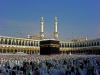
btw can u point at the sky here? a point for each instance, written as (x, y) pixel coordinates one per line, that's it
(77, 18)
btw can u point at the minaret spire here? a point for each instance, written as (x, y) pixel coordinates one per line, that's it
(56, 27)
(42, 28)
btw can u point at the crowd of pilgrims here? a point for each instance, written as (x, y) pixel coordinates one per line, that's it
(50, 65)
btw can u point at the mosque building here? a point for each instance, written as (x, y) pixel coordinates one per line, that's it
(31, 44)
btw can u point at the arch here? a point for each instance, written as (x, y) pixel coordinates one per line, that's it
(36, 43)
(16, 50)
(9, 42)
(4, 50)
(31, 43)
(75, 44)
(28, 51)
(11, 50)
(5, 41)
(92, 44)
(8, 51)
(89, 43)
(84, 44)
(2, 41)
(24, 50)
(65, 45)
(78, 44)
(36, 51)
(13, 42)
(68, 44)
(81, 44)
(98, 43)
(32, 52)
(62, 44)
(23, 43)
(72, 45)
(19, 42)
(0, 50)
(95, 43)
(27, 43)
(16, 42)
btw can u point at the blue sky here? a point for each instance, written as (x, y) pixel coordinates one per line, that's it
(77, 18)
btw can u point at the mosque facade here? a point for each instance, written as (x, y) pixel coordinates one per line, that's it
(31, 45)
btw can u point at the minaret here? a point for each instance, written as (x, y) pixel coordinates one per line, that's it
(42, 28)
(56, 28)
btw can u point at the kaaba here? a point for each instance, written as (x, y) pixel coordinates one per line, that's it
(48, 47)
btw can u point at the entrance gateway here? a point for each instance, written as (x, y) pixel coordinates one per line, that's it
(48, 47)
